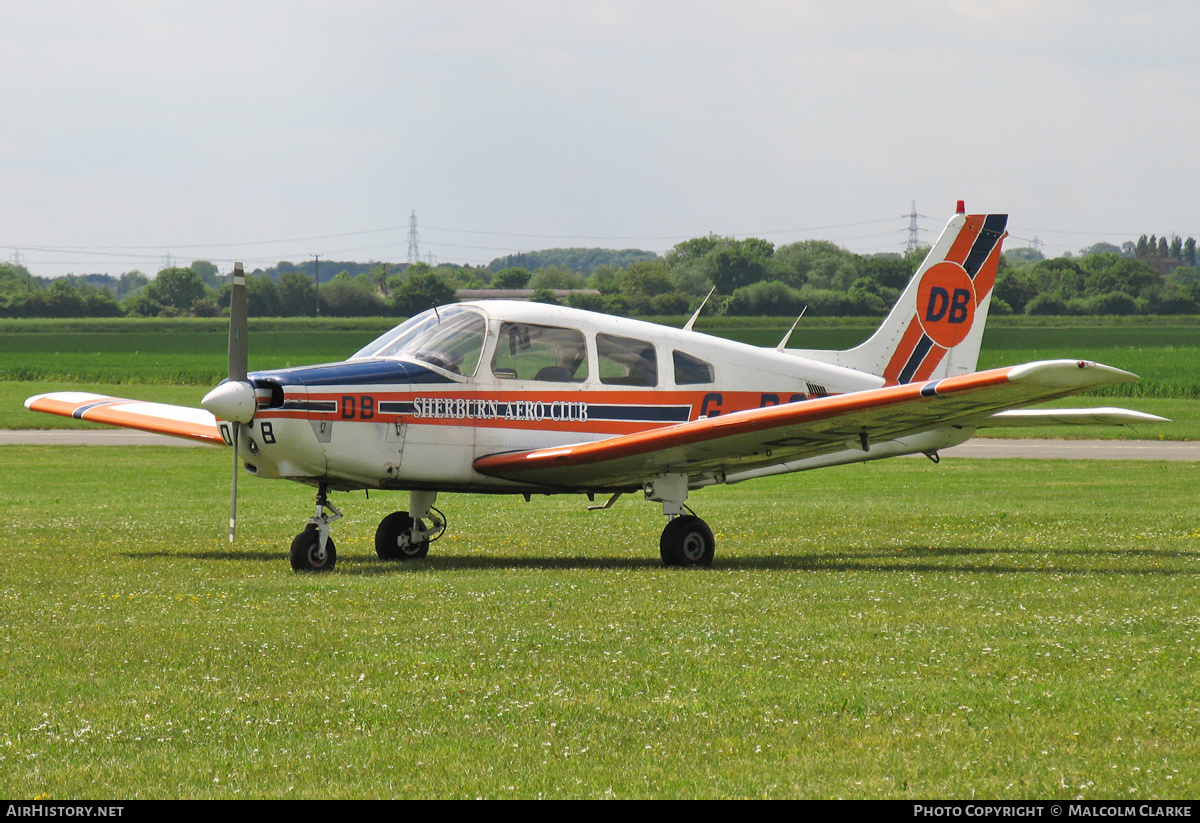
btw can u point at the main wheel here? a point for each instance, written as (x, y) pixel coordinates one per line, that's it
(304, 552)
(687, 541)
(394, 539)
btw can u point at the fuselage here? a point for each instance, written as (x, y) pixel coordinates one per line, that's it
(418, 406)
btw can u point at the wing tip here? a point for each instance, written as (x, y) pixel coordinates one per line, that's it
(1070, 374)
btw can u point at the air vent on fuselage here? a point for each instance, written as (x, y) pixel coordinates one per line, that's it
(816, 390)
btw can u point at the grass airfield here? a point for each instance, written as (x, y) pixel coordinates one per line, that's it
(896, 629)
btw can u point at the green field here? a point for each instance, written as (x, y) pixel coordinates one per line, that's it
(896, 629)
(135, 358)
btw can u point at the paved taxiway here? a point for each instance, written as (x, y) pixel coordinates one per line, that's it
(979, 447)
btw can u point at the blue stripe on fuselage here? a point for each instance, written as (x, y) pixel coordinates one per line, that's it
(358, 372)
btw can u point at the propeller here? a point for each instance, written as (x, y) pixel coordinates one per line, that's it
(234, 399)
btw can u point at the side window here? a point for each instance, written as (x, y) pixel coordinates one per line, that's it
(625, 361)
(547, 353)
(689, 370)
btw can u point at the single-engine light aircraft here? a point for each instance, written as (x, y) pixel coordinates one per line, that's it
(510, 397)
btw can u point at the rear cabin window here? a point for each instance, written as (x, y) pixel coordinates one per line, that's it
(625, 361)
(544, 353)
(690, 370)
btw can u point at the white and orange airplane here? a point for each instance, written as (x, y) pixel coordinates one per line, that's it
(525, 398)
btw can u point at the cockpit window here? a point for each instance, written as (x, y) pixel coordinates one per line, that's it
(525, 351)
(387, 344)
(625, 361)
(452, 340)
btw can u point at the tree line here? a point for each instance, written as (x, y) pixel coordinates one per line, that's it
(750, 276)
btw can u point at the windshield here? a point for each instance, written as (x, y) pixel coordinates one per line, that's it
(452, 341)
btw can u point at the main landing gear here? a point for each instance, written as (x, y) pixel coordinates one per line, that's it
(404, 535)
(687, 540)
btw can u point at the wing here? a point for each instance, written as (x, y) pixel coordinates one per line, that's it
(769, 436)
(161, 418)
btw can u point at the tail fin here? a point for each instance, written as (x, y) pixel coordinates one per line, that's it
(936, 326)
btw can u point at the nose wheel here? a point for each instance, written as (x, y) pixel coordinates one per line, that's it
(307, 555)
(313, 550)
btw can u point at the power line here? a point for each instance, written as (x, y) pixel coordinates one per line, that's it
(657, 237)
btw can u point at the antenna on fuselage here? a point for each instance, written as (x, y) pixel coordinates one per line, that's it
(788, 336)
(437, 314)
(688, 325)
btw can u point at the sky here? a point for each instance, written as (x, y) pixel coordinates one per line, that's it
(137, 133)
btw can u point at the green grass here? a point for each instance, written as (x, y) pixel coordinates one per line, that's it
(897, 629)
(193, 357)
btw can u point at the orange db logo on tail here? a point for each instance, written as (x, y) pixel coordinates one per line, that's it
(946, 304)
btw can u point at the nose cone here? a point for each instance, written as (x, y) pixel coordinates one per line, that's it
(233, 401)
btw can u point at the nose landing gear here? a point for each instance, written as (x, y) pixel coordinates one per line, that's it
(313, 550)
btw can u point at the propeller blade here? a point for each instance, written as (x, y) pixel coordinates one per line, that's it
(238, 350)
(233, 501)
(238, 366)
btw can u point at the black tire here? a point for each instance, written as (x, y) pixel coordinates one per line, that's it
(388, 534)
(687, 541)
(304, 550)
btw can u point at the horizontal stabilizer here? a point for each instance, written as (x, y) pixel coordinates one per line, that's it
(1017, 418)
(160, 418)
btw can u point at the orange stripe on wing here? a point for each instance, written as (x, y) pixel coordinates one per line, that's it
(159, 425)
(115, 411)
(756, 420)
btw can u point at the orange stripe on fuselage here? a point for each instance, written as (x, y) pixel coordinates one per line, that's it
(711, 404)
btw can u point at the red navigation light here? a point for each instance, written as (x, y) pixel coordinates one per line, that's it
(962, 207)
